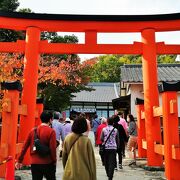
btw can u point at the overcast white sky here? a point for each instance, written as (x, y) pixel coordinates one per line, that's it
(114, 7)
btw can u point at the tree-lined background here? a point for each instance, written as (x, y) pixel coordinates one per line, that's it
(60, 75)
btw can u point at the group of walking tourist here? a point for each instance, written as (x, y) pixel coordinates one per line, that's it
(68, 140)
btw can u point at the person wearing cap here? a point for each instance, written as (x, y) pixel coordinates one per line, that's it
(66, 128)
(78, 155)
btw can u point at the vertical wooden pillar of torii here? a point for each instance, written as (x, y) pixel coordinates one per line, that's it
(141, 127)
(9, 124)
(31, 63)
(170, 130)
(151, 96)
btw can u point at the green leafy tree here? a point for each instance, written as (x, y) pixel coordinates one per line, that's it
(25, 10)
(164, 59)
(8, 5)
(107, 69)
(53, 37)
(56, 97)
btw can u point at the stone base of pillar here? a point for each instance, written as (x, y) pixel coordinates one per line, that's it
(154, 168)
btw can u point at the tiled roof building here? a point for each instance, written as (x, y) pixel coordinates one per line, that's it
(132, 84)
(99, 100)
(166, 72)
(102, 92)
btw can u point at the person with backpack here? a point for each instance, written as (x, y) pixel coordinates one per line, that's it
(42, 164)
(110, 139)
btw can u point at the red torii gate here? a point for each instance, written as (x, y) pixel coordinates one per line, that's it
(32, 47)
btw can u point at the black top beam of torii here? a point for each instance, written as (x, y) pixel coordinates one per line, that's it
(83, 17)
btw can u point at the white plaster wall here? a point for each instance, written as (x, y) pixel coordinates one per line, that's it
(136, 92)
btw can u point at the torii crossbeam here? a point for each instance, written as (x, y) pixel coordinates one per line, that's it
(32, 47)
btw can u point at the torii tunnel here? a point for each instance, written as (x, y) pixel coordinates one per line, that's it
(32, 47)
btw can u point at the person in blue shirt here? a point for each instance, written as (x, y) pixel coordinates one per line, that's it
(58, 127)
(95, 123)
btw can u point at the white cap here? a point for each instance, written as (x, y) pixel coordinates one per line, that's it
(67, 120)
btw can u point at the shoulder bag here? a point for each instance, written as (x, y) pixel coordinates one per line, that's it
(40, 148)
(102, 147)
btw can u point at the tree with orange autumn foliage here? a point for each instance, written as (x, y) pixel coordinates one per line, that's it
(63, 76)
(11, 67)
(60, 73)
(58, 80)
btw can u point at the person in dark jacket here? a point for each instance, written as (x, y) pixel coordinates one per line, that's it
(122, 139)
(41, 166)
(95, 123)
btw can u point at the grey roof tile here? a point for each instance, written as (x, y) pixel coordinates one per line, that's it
(104, 92)
(166, 72)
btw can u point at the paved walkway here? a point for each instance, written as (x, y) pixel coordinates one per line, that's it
(127, 173)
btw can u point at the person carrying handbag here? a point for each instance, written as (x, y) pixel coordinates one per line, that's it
(110, 138)
(78, 155)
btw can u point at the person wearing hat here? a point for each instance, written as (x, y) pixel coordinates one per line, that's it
(78, 155)
(66, 128)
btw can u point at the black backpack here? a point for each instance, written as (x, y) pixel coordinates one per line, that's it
(40, 148)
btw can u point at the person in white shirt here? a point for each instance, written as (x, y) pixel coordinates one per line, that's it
(66, 127)
(58, 127)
